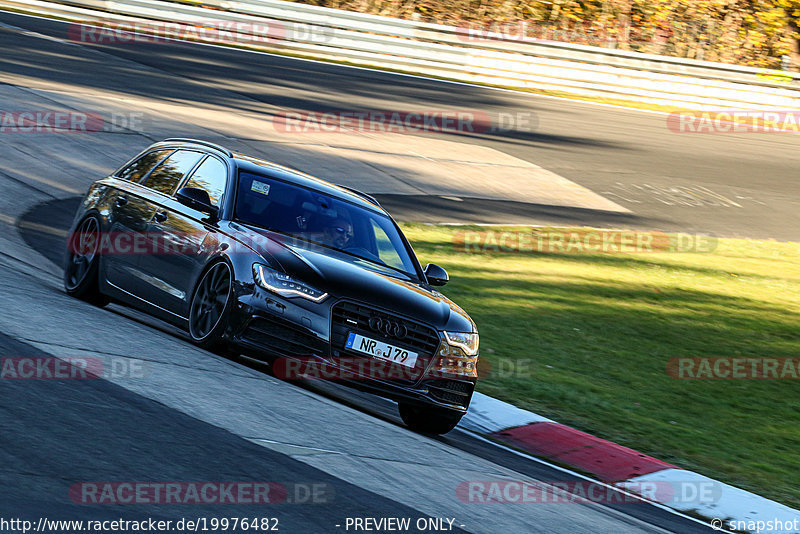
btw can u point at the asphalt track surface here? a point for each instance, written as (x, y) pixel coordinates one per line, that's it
(198, 417)
(630, 157)
(741, 185)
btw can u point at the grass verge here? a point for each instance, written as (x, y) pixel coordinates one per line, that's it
(585, 338)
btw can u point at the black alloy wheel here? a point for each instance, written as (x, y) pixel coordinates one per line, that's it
(81, 265)
(210, 305)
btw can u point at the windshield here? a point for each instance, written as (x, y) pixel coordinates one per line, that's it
(322, 219)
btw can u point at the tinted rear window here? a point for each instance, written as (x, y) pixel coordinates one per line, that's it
(167, 175)
(139, 168)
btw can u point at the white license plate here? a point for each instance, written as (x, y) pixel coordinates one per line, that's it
(381, 350)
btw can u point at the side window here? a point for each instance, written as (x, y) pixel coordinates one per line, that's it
(386, 250)
(167, 175)
(142, 166)
(211, 176)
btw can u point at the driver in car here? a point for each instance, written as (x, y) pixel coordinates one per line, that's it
(338, 234)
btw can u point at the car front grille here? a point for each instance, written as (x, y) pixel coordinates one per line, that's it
(354, 317)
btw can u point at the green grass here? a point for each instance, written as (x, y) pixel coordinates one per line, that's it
(597, 331)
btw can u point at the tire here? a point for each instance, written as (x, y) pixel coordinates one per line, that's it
(209, 308)
(428, 420)
(81, 263)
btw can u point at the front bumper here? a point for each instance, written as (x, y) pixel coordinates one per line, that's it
(301, 335)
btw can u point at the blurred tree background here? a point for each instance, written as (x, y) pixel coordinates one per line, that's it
(745, 32)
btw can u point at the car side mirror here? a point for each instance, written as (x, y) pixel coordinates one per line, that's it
(197, 199)
(436, 275)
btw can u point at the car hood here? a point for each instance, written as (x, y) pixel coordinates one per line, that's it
(337, 274)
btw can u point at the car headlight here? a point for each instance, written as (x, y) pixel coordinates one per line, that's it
(285, 285)
(466, 342)
(458, 355)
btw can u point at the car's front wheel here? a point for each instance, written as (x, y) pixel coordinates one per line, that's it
(210, 306)
(428, 420)
(81, 268)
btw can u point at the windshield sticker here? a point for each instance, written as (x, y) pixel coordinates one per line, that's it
(260, 187)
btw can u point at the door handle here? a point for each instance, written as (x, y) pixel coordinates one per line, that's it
(121, 201)
(160, 217)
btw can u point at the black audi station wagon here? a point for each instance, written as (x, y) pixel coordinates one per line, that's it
(254, 258)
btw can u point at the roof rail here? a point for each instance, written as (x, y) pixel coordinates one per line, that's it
(361, 194)
(200, 142)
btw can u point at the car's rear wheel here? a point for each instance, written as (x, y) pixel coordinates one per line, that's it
(428, 420)
(210, 306)
(81, 265)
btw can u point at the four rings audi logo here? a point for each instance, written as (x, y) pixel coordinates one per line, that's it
(388, 327)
